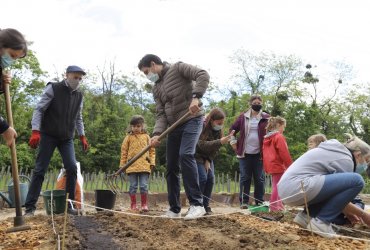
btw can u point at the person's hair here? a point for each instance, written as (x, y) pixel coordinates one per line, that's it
(354, 143)
(13, 39)
(147, 59)
(137, 119)
(254, 97)
(316, 139)
(214, 114)
(274, 122)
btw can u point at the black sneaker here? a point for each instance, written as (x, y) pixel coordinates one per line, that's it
(208, 211)
(243, 206)
(259, 203)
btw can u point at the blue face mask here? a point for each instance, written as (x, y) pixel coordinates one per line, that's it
(360, 168)
(6, 60)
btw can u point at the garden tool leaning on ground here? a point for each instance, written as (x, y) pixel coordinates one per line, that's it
(111, 180)
(18, 219)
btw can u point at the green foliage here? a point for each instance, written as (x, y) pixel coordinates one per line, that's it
(288, 90)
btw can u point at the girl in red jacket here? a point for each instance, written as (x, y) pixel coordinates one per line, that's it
(276, 157)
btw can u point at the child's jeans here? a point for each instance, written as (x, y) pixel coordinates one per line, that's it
(138, 179)
(275, 203)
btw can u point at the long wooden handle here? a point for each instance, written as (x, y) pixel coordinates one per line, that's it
(8, 104)
(146, 149)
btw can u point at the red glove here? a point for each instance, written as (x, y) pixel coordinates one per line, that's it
(83, 140)
(35, 139)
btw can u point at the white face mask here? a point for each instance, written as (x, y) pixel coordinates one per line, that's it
(73, 83)
(152, 76)
(217, 127)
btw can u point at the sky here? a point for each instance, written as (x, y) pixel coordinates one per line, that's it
(90, 33)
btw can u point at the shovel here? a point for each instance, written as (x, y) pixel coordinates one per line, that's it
(18, 219)
(111, 180)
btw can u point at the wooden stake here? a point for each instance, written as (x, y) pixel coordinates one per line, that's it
(305, 202)
(65, 221)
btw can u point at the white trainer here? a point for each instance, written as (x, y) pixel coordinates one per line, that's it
(170, 214)
(195, 212)
(322, 228)
(301, 219)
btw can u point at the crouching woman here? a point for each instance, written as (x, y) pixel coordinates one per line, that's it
(329, 181)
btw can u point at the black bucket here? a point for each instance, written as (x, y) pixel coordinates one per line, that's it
(104, 199)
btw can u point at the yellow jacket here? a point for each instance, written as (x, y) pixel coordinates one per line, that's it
(131, 146)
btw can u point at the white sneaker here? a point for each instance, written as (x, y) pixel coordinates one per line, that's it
(170, 214)
(322, 228)
(195, 212)
(301, 219)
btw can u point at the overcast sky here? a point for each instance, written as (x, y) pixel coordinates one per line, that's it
(201, 32)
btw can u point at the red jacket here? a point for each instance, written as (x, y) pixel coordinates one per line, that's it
(276, 156)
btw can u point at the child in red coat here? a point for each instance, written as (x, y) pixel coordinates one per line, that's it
(276, 157)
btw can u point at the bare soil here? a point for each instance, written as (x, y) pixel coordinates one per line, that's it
(108, 230)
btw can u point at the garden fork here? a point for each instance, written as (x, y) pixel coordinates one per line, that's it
(111, 180)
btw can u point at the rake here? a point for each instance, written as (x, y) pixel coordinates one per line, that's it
(111, 180)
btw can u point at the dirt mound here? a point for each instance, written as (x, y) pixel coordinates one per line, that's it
(106, 230)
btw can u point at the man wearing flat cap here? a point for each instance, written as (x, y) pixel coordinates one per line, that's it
(56, 117)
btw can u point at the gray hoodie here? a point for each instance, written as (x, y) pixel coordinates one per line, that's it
(328, 158)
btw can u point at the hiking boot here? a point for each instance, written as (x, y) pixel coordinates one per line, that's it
(301, 219)
(29, 213)
(195, 212)
(170, 214)
(208, 211)
(322, 228)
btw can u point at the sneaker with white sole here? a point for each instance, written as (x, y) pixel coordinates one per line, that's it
(322, 228)
(195, 212)
(301, 219)
(170, 214)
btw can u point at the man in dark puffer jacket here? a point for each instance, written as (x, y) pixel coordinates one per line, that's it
(177, 89)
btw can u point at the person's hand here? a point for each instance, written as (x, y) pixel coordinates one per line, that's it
(6, 77)
(194, 106)
(35, 139)
(152, 168)
(9, 136)
(85, 145)
(353, 218)
(154, 141)
(365, 217)
(227, 138)
(207, 165)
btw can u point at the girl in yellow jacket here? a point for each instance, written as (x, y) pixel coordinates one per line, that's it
(139, 171)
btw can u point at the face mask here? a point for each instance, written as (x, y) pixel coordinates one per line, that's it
(256, 107)
(217, 127)
(73, 83)
(152, 76)
(360, 168)
(6, 60)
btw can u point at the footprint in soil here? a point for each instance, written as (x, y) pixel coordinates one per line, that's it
(93, 237)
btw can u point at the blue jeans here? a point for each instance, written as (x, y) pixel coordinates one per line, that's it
(181, 144)
(138, 179)
(206, 182)
(251, 165)
(338, 190)
(46, 150)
